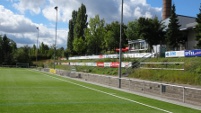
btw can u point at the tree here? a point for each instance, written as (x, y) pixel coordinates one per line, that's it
(33, 53)
(51, 52)
(159, 31)
(1, 49)
(109, 41)
(60, 52)
(22, 55)
(8, 48)
(132, 31)
(151, 30)
(80, 26)
(43, 49)
(198, 29)
(173, 36)
(95, 35)
(79, 45)
(70, 39)
(114, 29)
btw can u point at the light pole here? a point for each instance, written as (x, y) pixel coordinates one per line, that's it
(37, 44)
(120, 49)
(56, 8)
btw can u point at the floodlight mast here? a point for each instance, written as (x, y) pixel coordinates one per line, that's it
(120, 48)
(56, 8)
(37, 44)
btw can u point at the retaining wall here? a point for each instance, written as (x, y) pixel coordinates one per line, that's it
(184, 94)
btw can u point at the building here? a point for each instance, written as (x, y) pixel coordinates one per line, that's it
(137, 45)
(188, 27)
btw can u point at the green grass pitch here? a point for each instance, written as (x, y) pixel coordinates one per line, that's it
(28, 91)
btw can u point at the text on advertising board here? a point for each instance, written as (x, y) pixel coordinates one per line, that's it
(193, 53)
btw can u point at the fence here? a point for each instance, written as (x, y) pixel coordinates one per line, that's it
(183, 94)
(163, 65)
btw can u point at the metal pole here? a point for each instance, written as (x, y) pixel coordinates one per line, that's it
(183, 94)
(56, 8)
(37, 45)
(120, 48)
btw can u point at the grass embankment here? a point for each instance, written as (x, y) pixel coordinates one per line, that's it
(191, 74)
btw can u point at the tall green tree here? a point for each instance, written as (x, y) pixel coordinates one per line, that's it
(51, 52)
(158, 31)
(79, 46)
(60, 52)
(70, 39)
(145, 30)
(33, 50)
(95, 35)
(80, 26)
(173, 35)
(8, 48)
(151, 30)
(198, 29)
(1, 49)
(22, 55)
(132, 31)
(43, 49)
(114, 29)
(109, 41)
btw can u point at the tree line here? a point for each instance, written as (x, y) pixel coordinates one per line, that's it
(97, 37)
(10, 54)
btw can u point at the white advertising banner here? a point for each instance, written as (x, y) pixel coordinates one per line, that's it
(99, 64)
(125, 55)
(174, 54)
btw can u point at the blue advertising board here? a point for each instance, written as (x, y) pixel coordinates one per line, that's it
(192, 53)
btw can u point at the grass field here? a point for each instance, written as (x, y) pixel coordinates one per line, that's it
(28, 91)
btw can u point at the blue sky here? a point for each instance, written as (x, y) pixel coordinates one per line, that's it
(183, 7)
(19, 18)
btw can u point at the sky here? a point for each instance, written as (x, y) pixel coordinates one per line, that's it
(19, 19)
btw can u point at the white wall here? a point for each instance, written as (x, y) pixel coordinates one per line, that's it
(191, 43)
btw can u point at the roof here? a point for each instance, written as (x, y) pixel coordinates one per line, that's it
(185, 22)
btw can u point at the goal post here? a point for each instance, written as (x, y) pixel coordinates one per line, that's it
(22, 65)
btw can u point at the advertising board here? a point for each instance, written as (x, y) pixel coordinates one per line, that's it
(174, 54)
(114, 64)
(193, 53)
(100, 64)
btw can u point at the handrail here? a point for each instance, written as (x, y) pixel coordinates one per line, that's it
(161, 62)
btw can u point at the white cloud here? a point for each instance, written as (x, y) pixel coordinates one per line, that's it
(31, 5)
(23, 29)
(127, 10)
(139, 8)
(65, 8)
(107, 9)
(11, 22)
(137, 12)
(143, 2)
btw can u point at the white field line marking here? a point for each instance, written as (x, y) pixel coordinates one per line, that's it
(123, 98)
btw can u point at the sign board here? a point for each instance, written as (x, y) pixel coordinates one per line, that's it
(174, 54)
(193, 53)
(100, 64)
(114, 64)
(53, 71)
